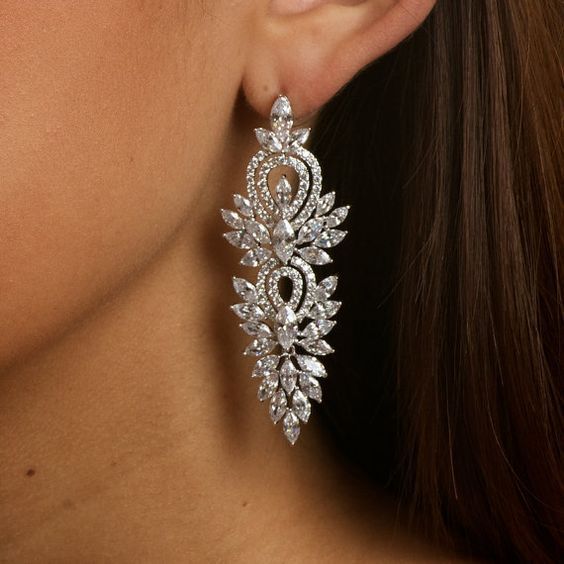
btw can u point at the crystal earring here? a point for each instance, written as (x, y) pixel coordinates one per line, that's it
(285, 234)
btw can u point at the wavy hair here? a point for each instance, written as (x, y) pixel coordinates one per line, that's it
(448, 374)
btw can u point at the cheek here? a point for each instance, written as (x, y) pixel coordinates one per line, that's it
(104, 144)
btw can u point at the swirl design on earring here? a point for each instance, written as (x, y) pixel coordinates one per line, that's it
(284, 233)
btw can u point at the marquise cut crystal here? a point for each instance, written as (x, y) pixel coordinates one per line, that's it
(326, 288)
(291, 425)
(282, 117)
(301, 405)
(283, 191)
(310, 230)
(310, 386)
(245, 289)
(312, 366)
(284, 240)
(288, 375)
(268, 386)
(256, 257)
(287, 329)
(278, 405)
(233, 219)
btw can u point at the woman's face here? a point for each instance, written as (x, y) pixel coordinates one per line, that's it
(112, 115)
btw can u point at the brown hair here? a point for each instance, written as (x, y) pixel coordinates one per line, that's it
(446, 380)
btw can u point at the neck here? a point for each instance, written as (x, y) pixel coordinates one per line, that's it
(138, 435)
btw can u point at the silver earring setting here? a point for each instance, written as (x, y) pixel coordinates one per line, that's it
(284, 233)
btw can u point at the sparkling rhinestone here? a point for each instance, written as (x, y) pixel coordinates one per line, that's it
(318, 328)
(310, 230)
(278, 405)
(324, 310)
(258, 231)
(268, 386)
(248, 312)
(268, 140)
(299, 137)
(243, 205)
(310, 386)
(284, 191)
(337, 216)
(258, 329)
(281, 117)
(301, 406)
(286, 315)
(325, 203)
(260, 347)
(326, 288)
(288, 375)
(291, 425)
(311, 365)
(284, 240)
(313, 346)
(313, 255)
(240, 239)
(256, 257)
(245, 289)
(330, 238)
(233, 219)
(265, 366)
(287, 331)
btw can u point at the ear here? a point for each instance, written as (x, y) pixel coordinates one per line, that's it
(309, 49)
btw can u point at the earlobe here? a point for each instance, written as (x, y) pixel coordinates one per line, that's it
(309, 49)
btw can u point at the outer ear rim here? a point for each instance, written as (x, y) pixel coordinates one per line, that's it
(310, 86)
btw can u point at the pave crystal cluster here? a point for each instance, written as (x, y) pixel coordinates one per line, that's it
(284, 232)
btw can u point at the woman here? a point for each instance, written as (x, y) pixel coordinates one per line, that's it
(129, 426)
